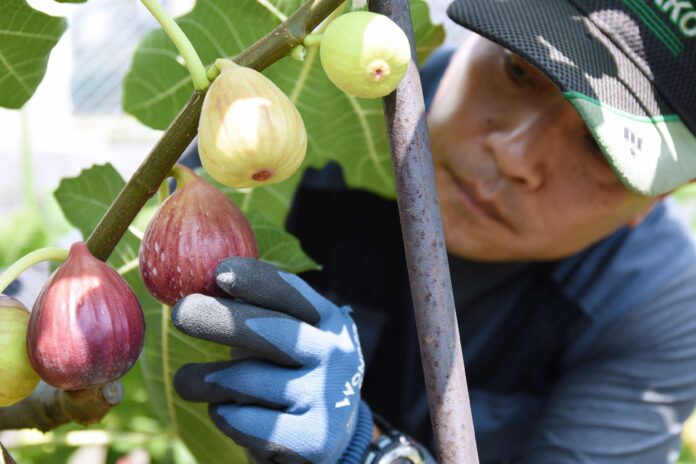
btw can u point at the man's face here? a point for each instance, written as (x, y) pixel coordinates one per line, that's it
(518, 175)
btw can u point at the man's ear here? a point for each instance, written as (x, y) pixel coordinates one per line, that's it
(640, 215)
(638, 218)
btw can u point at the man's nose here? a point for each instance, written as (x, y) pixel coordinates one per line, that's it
(519, 148)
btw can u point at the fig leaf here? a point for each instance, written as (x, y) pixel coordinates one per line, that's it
(27, 37)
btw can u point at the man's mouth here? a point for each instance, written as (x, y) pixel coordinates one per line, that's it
(475, 202)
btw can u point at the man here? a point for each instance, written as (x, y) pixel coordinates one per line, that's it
(554, 143)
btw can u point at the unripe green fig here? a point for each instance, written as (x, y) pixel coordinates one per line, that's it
(365, 54)
(17, 378)
(249, 133)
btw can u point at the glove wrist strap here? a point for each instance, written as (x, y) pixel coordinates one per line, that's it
(362, 437)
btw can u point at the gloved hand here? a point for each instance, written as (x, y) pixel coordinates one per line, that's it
(292, 392)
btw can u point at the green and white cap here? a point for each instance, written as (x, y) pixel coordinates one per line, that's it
(627, 66)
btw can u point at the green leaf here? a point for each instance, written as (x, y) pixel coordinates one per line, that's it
(349, 130)
(428, 36)
(278, 247)
(84, 200)
(272, 201)
(42, 454)
(686, 456)
(26, 39)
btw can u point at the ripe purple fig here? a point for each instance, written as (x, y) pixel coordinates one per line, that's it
(86, 327)
(194, 229)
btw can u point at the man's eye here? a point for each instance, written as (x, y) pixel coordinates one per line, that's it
(516, 70)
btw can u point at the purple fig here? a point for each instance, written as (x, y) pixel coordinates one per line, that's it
(86, 327)
(194, 229)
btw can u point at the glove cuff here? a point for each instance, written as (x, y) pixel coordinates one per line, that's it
(362, 437)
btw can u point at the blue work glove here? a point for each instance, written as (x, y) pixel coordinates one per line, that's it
(292, 392)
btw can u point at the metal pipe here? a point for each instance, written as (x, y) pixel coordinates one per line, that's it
(426, 257)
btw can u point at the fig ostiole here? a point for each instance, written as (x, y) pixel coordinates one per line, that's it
(195, 228)
(365, 54)
(249, 133)
(17, 377)
(86, 327)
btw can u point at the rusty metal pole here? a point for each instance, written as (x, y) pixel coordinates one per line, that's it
(426, 257)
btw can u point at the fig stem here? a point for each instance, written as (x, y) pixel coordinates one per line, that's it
(298, 53)
(218, 66)
(182, 174)
(49, 407)
(311, 40)
(163, 191)
(358, 4)
(213, 72)
(182, 43)
(29, 260)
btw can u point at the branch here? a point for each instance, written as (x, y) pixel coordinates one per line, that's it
(152, 172)
(181, 42)
(49, 407)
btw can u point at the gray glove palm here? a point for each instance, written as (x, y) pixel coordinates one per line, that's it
(294, 394)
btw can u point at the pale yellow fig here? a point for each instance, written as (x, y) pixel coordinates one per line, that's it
(17, 377)
(250, 133)
(365, 54)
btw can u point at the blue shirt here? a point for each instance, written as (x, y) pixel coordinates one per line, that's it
(587, 359)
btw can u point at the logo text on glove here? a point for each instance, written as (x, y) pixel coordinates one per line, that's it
(355, 381)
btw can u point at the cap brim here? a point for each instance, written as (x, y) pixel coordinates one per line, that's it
(642, 138)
